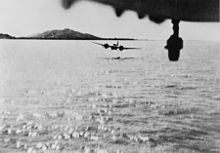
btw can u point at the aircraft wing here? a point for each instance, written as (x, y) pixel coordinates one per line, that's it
(98, 43)
(158, 10)
(104, 45)
(127, 48)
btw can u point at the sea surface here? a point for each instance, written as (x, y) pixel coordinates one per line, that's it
(75, 96)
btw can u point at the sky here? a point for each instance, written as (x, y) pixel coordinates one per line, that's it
(27, 17)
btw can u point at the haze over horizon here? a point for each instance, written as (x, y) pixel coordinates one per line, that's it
(35, 16)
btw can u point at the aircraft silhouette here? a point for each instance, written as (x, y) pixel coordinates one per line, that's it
(115, 46)
(159, 10)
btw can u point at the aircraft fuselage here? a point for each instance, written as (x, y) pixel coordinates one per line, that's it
(114, 46)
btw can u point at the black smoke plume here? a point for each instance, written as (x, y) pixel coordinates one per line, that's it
(67, 3)
(158, 10)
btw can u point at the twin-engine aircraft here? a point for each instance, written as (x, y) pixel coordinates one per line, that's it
(115, 46)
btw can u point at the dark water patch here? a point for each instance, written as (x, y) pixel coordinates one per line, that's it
(186, 76)
(201, 126)
(214, 128)
(176, 135)
(176, 139)
(199, 146)
(153, 132)
(181, 88)
(120, 141)
(131, 121)
(125, 115)
(188, 88)
(200, 79)
(121, 105)
(56, 108)
(119, 58)
(179, 111)
(214, 114)
(179, 136)
(217, 98)
(172, 91)
(174, 96)
(171, 86)
(90, 94)
(144, 102)
(173, 133)
(113, 87)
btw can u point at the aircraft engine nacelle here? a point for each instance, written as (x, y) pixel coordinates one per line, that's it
(106, 46)
(121, 48)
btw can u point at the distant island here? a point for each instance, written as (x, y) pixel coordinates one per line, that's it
(65, 34)
(6, 36)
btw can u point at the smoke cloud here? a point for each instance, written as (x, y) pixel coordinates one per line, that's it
(158, 10)
(67, 3)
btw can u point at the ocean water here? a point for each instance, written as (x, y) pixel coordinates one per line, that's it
(75, 96)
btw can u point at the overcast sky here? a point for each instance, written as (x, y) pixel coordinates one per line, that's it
(26, 17)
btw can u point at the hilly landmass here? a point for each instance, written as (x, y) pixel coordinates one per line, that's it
(64, 34)
(6, 36)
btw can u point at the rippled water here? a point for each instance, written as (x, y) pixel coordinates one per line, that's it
(53, 90)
